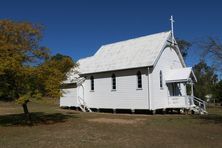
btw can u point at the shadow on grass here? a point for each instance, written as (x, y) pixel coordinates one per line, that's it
(38, 118)
(212, 118)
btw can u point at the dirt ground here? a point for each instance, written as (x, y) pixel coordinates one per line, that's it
(55, 127)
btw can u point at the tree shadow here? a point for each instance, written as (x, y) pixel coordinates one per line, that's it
(6, 99)
(37, 118)
(210, 118)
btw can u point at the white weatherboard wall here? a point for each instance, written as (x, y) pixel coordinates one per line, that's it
(69, 97)
(124, 59)
(126, 95)
(168, 60)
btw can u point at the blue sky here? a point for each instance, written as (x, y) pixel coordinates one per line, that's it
(79, 27)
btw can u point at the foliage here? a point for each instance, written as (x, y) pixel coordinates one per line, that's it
(184, 46)
(51, 73)
(19, 48)
(23, 99)
(206, 79)
(27, 69)
(213, 49)
(217, 91)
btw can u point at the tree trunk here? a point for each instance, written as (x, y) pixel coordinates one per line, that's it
(26, 112)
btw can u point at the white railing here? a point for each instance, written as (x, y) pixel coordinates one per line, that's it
(83, 105)
(200, 103)
(80, 81)
(194, 101)
(191, 102)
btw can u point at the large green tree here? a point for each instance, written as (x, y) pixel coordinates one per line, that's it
(206, 79)
(26, 68)
(217, 92)
(212, 52)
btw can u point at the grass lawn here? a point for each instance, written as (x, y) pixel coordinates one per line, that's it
(55, 127)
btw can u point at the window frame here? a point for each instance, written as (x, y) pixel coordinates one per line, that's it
(113, 81)
(92, 84)
(139, 80)
(161, 79)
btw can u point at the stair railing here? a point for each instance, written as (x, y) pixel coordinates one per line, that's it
(199, 102)
(83, 105)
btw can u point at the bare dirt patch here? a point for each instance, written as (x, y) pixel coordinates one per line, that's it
(117, 121)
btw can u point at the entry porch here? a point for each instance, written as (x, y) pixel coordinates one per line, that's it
(180, 84)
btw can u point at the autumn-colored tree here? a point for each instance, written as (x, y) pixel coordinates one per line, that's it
(26, 68)
(52, 72)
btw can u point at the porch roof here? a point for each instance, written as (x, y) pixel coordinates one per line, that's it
(180, 75)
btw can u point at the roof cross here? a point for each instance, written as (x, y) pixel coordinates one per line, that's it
(172, 30)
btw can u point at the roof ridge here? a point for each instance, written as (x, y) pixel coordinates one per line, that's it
(150, 35)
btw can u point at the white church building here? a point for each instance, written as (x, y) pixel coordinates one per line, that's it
(144, 73)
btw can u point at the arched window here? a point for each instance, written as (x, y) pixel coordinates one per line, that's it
(139, 80)
(92, 82)
(113, 81)
(161, 79)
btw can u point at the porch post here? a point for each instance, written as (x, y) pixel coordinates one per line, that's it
(185, 89)
(192, 89)
(192, 94)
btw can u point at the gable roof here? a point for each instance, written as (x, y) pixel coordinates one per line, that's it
(180, 75)
(133, 53)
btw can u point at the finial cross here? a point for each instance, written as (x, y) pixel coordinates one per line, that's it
(172, 30)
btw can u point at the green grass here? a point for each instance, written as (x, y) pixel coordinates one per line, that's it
(55, 127)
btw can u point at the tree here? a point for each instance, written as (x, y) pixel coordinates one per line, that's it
(26, 68)
(206, 79)
(217, 92)
(19, 48)
(52, 72)
(212, 48)
(184, 46)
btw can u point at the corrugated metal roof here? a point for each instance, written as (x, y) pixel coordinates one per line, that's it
(179, 75)
(133, 53)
